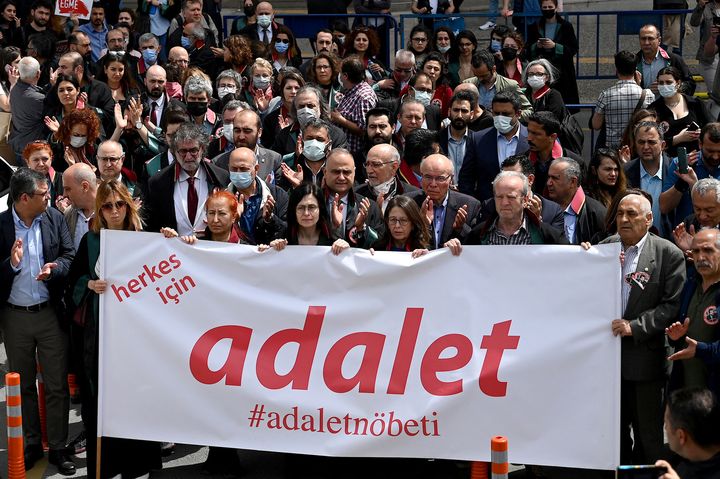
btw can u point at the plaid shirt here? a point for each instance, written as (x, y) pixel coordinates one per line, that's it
(618, 104)
(354, 105)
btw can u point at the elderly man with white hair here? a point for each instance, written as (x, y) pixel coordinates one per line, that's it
(653, 274)
(403, 71)
(26, 106)
(382, 183)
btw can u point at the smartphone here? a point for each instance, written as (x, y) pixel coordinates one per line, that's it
(640, 472)
(716, 20)
(682, 160)
(693, 127)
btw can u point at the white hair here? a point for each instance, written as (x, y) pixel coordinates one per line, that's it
(405, 55)
(512, 174)
(28, 68)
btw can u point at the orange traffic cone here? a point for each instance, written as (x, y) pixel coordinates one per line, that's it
(499, 457)
(479, 470)
(16, 451)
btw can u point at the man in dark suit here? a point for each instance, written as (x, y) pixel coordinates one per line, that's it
(176, 195)
(583, 217)
(266, 28)
(653, 274)
(648, 170)
(455, 138)
(35, 255)
(247, 129)
(449, 213)
(489, 148)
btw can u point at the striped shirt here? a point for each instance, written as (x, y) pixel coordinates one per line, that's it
(521, 236)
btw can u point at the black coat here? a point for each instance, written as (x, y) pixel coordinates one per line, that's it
(159, 206)
(454, 203)
(562, 56)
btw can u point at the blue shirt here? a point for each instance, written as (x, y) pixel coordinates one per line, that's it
(26, 290)
(439, 220)
(570, 218)
(456, 149)
(654, 186)
(506, 147)
(650, 70)
(97, 39)
(486, 95)
(685, 208)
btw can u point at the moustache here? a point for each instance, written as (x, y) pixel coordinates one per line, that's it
(703, 264)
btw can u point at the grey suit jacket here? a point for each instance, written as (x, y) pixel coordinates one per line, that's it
(653, 305)
(268, 160)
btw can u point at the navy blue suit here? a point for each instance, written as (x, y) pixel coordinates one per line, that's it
(481, 165)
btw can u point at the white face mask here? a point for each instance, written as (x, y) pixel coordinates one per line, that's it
(314, 150)
(444, 49)
(536, 82)
(78, 141)
(305, 116)
(384, 187)
(225, 90)
(422, 96)
(261, 82)
(503, 124)
(264, 20)
(228, 132)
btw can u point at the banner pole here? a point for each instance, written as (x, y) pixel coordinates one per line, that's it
(98, 457)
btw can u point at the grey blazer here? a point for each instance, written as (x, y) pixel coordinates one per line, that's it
(268, 160)
(653, 305)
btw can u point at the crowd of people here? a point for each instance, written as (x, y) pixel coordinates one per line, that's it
(153, 119)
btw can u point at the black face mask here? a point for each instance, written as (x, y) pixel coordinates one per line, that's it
(548, 14)
(197, 108)
(508, 53)
(249, 10)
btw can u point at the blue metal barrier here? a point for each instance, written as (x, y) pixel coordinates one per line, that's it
(307, 26)
(626, 23)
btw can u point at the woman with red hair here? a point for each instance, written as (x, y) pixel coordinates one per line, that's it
(364, 42)
(38, 156)
(75, 140)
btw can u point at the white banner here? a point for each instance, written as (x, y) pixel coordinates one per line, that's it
(359, 355)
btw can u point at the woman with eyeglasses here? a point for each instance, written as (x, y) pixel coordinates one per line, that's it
(365, 43)
(407, 230)
(419, 44)
(307, 221)
(537, 77)
(283, 50)
(323, 73)
(116, 73)
(114, 210)
(460, 66)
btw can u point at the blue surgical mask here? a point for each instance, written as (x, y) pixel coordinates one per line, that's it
(666, 91)
(241, 179)
(264, 20)
(150, 56)
(314, 150)
(503, 124)
(185, 42)
(495, 45)
(281, 47)
(422, 96)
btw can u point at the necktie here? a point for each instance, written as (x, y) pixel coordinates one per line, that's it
(192, 200)
(153, 114)
(265, 38)
(627, 271)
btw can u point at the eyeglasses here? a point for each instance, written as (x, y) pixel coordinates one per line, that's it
(436, 179)
(419, 40)
(45, 193)
(112, 206)
(400, 221)
(342, 171)
(322, 67)
(189, 151)
(312, 209)
(282, 40)
(111, 159)
(376, 164)
(535, 75)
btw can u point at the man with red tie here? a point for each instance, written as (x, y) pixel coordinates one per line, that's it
(177, 193)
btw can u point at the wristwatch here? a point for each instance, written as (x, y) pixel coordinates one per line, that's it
(138, 125)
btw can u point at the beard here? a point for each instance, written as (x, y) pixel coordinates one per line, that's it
(458, 124)
(380, 139)
(155, 93)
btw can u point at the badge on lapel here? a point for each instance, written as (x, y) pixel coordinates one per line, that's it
(639, 278)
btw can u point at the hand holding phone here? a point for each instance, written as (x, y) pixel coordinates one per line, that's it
(682, 160)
